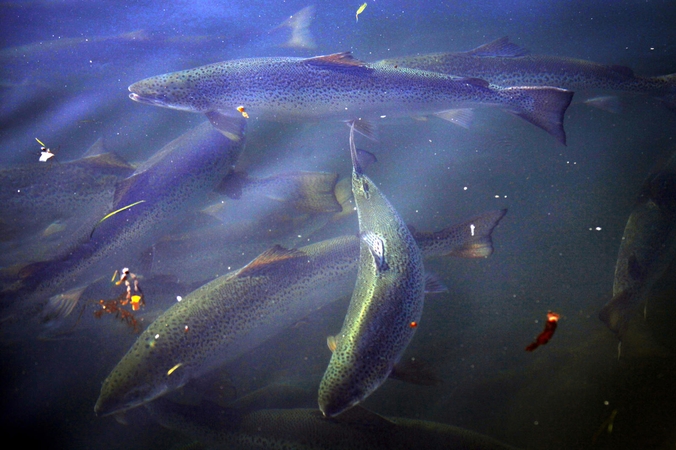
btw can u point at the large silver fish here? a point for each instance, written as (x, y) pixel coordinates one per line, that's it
(386, 304)
(171, 183)
(357, 429)
(506, 64)
(648, 247)
(340, 87)
(239, 311)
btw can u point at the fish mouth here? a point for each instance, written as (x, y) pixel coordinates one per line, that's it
(158, 100)
(148, 100)
(102, 409)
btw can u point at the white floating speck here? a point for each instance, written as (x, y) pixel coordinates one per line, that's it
(598, 228)
(471, 229)
(465, 188)
(179, 298)
(157, 336)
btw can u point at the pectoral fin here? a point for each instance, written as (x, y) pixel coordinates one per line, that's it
(332, 343)
(433, 284)
(377, 247)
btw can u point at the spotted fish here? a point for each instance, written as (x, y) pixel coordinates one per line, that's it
(239, 311)
(648, 247)
(38, 196)
(301, 428)
(386, 304)
(170, 183)
(340, 87)
(504, 63)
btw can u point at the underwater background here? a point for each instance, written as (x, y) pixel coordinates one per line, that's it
(66, 66)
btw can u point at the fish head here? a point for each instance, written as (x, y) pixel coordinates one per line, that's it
(177, 90)
(141, 376)
(333, 403)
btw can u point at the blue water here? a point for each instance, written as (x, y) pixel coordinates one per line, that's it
(66, 66)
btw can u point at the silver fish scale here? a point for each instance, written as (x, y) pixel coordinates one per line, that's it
(277, 296)
(535, 70)
(377, 327)
(295, 89)
(188, 167)
(267, 297)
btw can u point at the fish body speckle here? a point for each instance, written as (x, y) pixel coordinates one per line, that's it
(227, 317)
(172, 181)
(505, 64)
(340, 88)
(647, 248)
(388, 296)
(239, 311)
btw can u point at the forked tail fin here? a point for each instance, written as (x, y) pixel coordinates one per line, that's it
(544, 107)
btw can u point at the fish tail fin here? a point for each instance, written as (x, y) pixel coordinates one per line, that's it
(343, 193)
(470, 239)
(315, 192)
(544, 107)
(299, 26)
(61, 305)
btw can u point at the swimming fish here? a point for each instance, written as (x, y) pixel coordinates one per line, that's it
(387, 299)
(340, 87)
(172, 182)
(357, 429)
(504, 63)
(38, 196)
(648, 247)
(238, 311)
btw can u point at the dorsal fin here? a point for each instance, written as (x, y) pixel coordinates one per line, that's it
(499, 47)
(122, 187)
(269, 259)
(97, 148)
(344, 59)
(108, 160)
(339, 61)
